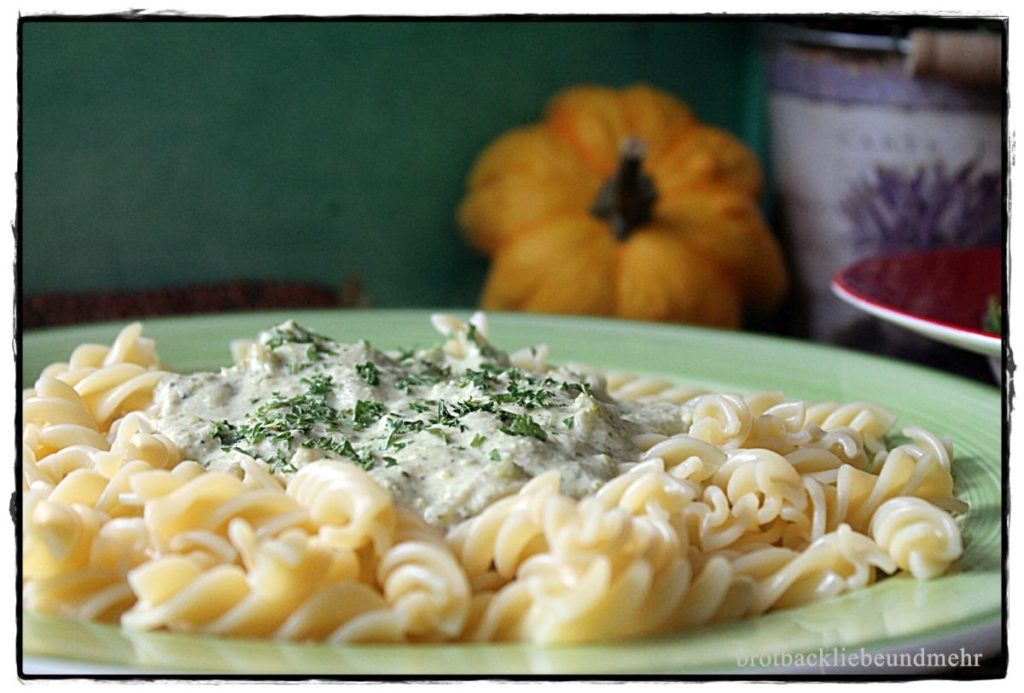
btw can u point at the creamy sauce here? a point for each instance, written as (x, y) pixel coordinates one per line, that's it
(445, 436)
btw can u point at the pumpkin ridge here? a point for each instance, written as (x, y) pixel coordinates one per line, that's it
(712, 272)
(725, 172)
(550, 285)
(674, 130)
(563, 133)
(591, 258)
(714, 261)
(518, 233)
(668, 148)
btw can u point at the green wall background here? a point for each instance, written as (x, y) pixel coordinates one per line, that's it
(168, 153)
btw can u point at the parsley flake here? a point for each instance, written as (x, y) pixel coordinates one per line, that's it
(368, 372)
(523, 425)
(319, 384)
(367, 412)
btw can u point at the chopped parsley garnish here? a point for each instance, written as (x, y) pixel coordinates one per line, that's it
(473, 335)
(280, 419)
(319, 384)
(313, 353)
(331, 444)
(428, 374)
(483, 378)
(281, 463)
(368, 372)
(283, 419)
(293, 333)
(525, 396)
(364, 458)
(523, 425)
(225, 433)
(398, 425)
(444, 417)
(497, 394)
(576, 389)
(467, 406)
(367, 412)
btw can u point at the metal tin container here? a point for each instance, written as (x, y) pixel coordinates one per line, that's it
(868, 157)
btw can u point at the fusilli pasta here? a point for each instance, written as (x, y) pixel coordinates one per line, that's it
(741, 504)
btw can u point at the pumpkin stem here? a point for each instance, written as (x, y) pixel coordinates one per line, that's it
(626, 200)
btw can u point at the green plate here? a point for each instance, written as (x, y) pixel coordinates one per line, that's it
(961, 610)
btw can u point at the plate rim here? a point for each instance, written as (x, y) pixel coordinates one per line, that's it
(982, 622)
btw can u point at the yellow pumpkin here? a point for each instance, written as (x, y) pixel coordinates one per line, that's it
(621, 203)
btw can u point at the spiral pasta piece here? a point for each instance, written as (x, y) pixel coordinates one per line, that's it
(260, 598)
(133, 438)
(343, 612)
(723, 420)
(462, 337)
(347, 506)
(58, 418)
(843, 443)
(715, 593)
(31, 472)
(111, 391)
(533, 359)
(686, 457)
(129, 346)
(492, 545)
(630, 387)
(713, 523)
(648, 489)
(120, 545)
(112, 381)
(281, 574)
(837, 562)
(906, 471)
(766, 477)
(57, 535)
(176, 592)
(871, 421)
(599, 602)
(921, 538)
(210, 501)
(76, 559)
(424, 583)
(602, 578)
(777, 425)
